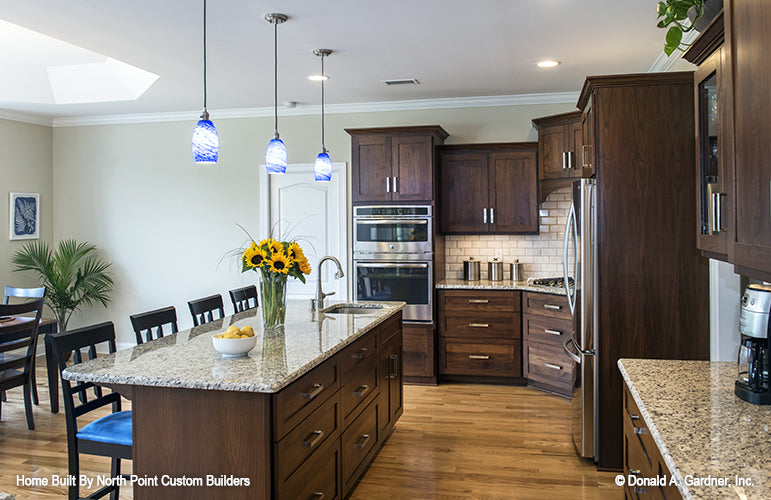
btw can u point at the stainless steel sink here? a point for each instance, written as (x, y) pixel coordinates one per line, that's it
(353, 308)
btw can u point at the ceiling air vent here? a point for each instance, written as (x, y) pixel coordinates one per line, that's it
(404, 81)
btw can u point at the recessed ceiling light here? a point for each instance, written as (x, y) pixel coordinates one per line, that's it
(549, 63)
(318, 78)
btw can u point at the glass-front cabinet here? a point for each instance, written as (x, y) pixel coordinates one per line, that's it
(715, 204)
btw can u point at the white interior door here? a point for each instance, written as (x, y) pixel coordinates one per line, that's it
(296, 207)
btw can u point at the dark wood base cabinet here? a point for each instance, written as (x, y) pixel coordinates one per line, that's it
(480, 336)
(419, 349)
(546, 323)
(313, 439)
(642, 458)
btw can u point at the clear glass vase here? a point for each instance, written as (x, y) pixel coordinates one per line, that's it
(273, 299)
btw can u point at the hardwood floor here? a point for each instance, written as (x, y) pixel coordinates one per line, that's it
(453, 442)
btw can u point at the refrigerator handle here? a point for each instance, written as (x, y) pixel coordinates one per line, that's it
(571, 221)
(571, 355)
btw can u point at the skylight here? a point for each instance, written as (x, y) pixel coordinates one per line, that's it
(41, 69)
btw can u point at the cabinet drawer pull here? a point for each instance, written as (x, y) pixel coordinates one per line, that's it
(640, 491)
(478, 356)
(634, 417)
(479, 325)
(317, 388)
(362, 442)
(478, 301)
(553, 332)
(634, 471)
(553, 366)
(640, 430)
(552, 306)
(318, 495)
(360, 354)
(313, 439)
(361, 391)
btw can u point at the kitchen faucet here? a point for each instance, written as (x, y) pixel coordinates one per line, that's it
(318, 302)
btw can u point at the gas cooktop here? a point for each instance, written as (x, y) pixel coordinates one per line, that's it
(550, 282)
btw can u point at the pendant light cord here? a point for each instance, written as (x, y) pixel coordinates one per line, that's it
(275, 75)
(323, 146)
(204, 56)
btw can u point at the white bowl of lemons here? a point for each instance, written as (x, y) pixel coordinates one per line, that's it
(234, 342)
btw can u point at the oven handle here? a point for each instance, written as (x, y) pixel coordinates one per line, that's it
(390, 264)
(391, 221)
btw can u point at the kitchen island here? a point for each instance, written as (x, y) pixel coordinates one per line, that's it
(301, 416)
(713, 444)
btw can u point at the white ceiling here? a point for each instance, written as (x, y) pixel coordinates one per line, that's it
(455, 48)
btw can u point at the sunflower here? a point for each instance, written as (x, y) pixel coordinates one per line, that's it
(254, 257)
(304, 266)
(279, 263)
(295, 252)
(276, 247)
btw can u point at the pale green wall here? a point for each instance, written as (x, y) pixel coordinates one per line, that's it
(165, 223)
(26, 167)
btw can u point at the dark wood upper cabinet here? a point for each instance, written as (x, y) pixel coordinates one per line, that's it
(395, 163)
(748, 36)
(714, 141)
(489, 188)
(560, 140)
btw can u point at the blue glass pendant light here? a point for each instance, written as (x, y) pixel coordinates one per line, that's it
(206, 143)
(275, 155)
(323, 167)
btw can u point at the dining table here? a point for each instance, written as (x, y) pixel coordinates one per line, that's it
(46, 327)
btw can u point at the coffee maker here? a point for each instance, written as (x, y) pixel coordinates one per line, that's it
(754, 352)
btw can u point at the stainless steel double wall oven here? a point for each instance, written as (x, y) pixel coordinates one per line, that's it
(393, 256)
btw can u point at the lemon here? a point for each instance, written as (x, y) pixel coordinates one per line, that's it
(248, 331)
(233, 329)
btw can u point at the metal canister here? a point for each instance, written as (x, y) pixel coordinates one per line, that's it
(495, 270)
(516, 271)
(471, 269)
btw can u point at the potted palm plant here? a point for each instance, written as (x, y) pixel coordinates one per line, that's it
(74, 276)
(673, 14)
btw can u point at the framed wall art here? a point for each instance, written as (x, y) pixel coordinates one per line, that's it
(24, 216)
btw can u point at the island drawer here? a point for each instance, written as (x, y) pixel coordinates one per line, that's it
(495, 357)
(479, 300)
(357, 442)
(308, 437)
(360, 388)
(479, 325)
(550, 366)
(300, 398)
(361, 352)
(317, 478)
(555, 306)
(552, 331)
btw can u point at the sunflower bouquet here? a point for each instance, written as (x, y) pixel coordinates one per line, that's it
(275, 261)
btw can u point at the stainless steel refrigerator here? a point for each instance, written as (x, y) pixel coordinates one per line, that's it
(580, 263)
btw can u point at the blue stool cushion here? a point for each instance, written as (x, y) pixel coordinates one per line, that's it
(114, 428)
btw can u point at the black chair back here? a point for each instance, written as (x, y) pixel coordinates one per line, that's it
(25, 293)
(143, 323)
(241, 298)
(203, 309)
(16, 369)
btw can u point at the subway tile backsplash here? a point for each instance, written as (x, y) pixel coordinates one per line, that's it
(541, 254)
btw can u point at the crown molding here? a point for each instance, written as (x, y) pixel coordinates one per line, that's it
(365, 107)
(26, 118)
(665, 62)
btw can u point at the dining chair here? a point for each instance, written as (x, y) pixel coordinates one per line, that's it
(203, 309)
(108, 436)
(143, 323)
(25, 293)
(241, 297)
(19, 335)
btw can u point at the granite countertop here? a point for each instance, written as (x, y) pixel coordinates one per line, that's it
(701, 428)
(188, 360)
(497, 285)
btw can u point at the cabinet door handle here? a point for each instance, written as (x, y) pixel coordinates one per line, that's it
(484, 216)
(478, 301)
(362, 442)
(388, 184)
(396, 186)
(634, 471)
(564, 163)
(492, 216)
(313, 439)
(640, 490)
(583, 155)
(317, 388)
(360, 355)
(552, 306)
(552, 332)
(553, 366)
(640, 430)
(394, 366)
(478, 356)
(479, 325)
(361, 391)
(318, 495)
